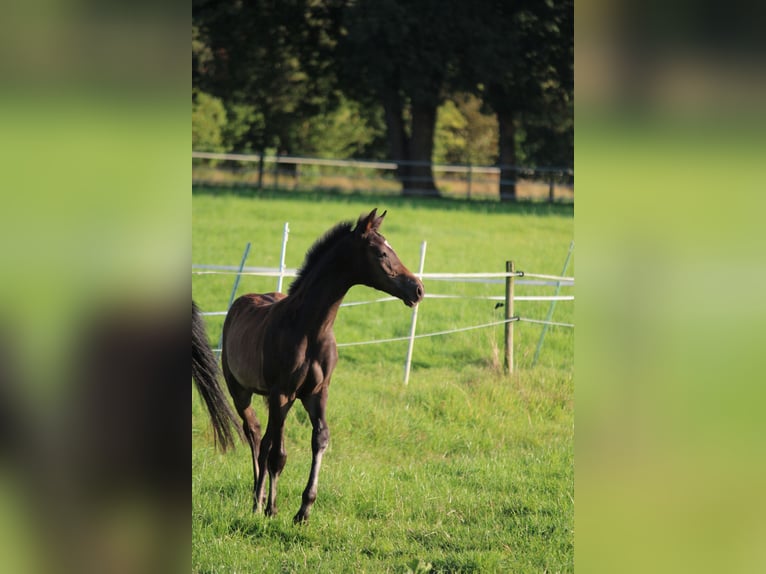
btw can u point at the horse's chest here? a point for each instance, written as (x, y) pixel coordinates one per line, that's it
(296, 366)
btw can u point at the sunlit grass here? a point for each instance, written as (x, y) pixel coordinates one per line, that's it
(466, 469)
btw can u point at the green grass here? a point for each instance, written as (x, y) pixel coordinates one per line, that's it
(464, 470)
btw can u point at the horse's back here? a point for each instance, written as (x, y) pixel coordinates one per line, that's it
(249, 310)
(258, 299)
(244, 333)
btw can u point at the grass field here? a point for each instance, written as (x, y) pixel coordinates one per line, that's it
(464, 470)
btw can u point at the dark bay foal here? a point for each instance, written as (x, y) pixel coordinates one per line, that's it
(283, 346)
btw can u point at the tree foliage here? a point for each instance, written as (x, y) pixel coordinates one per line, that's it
(273, 58)
(350, 130)
(465, 133)
(208, 122)
(412, 80)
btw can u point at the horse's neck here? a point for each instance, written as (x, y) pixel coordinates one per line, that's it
(318, 301)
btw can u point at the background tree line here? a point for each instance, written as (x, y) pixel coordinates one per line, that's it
(414, 81)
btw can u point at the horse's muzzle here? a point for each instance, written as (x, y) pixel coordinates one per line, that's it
(414, 291)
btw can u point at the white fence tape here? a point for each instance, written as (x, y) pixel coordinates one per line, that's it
(438, 333)
(551, 277)
(488, 278)
(553, 323)
(552, 280)
(531, 279)
(440, 296)
(435, 334)
(500, 298)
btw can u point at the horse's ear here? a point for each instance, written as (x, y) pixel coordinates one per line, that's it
(369, 222)
(379, 220)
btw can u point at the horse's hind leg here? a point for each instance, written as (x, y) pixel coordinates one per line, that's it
(253, 433)
(250, 424)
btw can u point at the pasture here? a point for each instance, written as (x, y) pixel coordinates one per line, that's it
(465, 469)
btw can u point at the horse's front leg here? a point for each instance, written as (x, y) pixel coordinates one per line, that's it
(273, 450)
(320, 437)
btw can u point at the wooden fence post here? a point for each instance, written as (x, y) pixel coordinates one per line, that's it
(550, 189)
(276, 172)
(509, 268)
(260, 169)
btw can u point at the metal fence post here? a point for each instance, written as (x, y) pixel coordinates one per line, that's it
(552, 305)
(509, 268)
(236, 285)
(285, 234)
(411, 344)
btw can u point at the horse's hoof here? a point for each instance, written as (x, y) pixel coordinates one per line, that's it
(300, 518)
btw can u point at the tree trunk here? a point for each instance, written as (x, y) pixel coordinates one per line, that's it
(260, 168)
(507, 152)
(398, 144)
(421, 151)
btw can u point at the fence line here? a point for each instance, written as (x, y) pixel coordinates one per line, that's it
(551, 277)
(293, 172)
(358, 303)
(553, 280)
(384, 165)
(499, 298)
(470, 275)
(446, 332)
(443, 296)
(266, 273)
(541, 322)
(492, 277)
(274, 272)
(292, 160)
(435, 334)
(427, 296)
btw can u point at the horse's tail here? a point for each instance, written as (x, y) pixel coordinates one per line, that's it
(205, 373)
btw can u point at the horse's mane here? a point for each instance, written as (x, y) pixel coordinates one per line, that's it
(317, 251)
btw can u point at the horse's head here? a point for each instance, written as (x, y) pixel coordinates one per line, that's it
(381, 268)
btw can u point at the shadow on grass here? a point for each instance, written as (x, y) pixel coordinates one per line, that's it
(257, 526)
(486, 206)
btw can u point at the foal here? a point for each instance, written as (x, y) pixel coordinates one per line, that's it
(283, 346)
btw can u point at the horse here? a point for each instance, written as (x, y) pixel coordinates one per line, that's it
(283, 348)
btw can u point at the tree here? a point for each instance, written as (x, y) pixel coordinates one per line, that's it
(269, 61)
(401, 54)
(521, 60)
